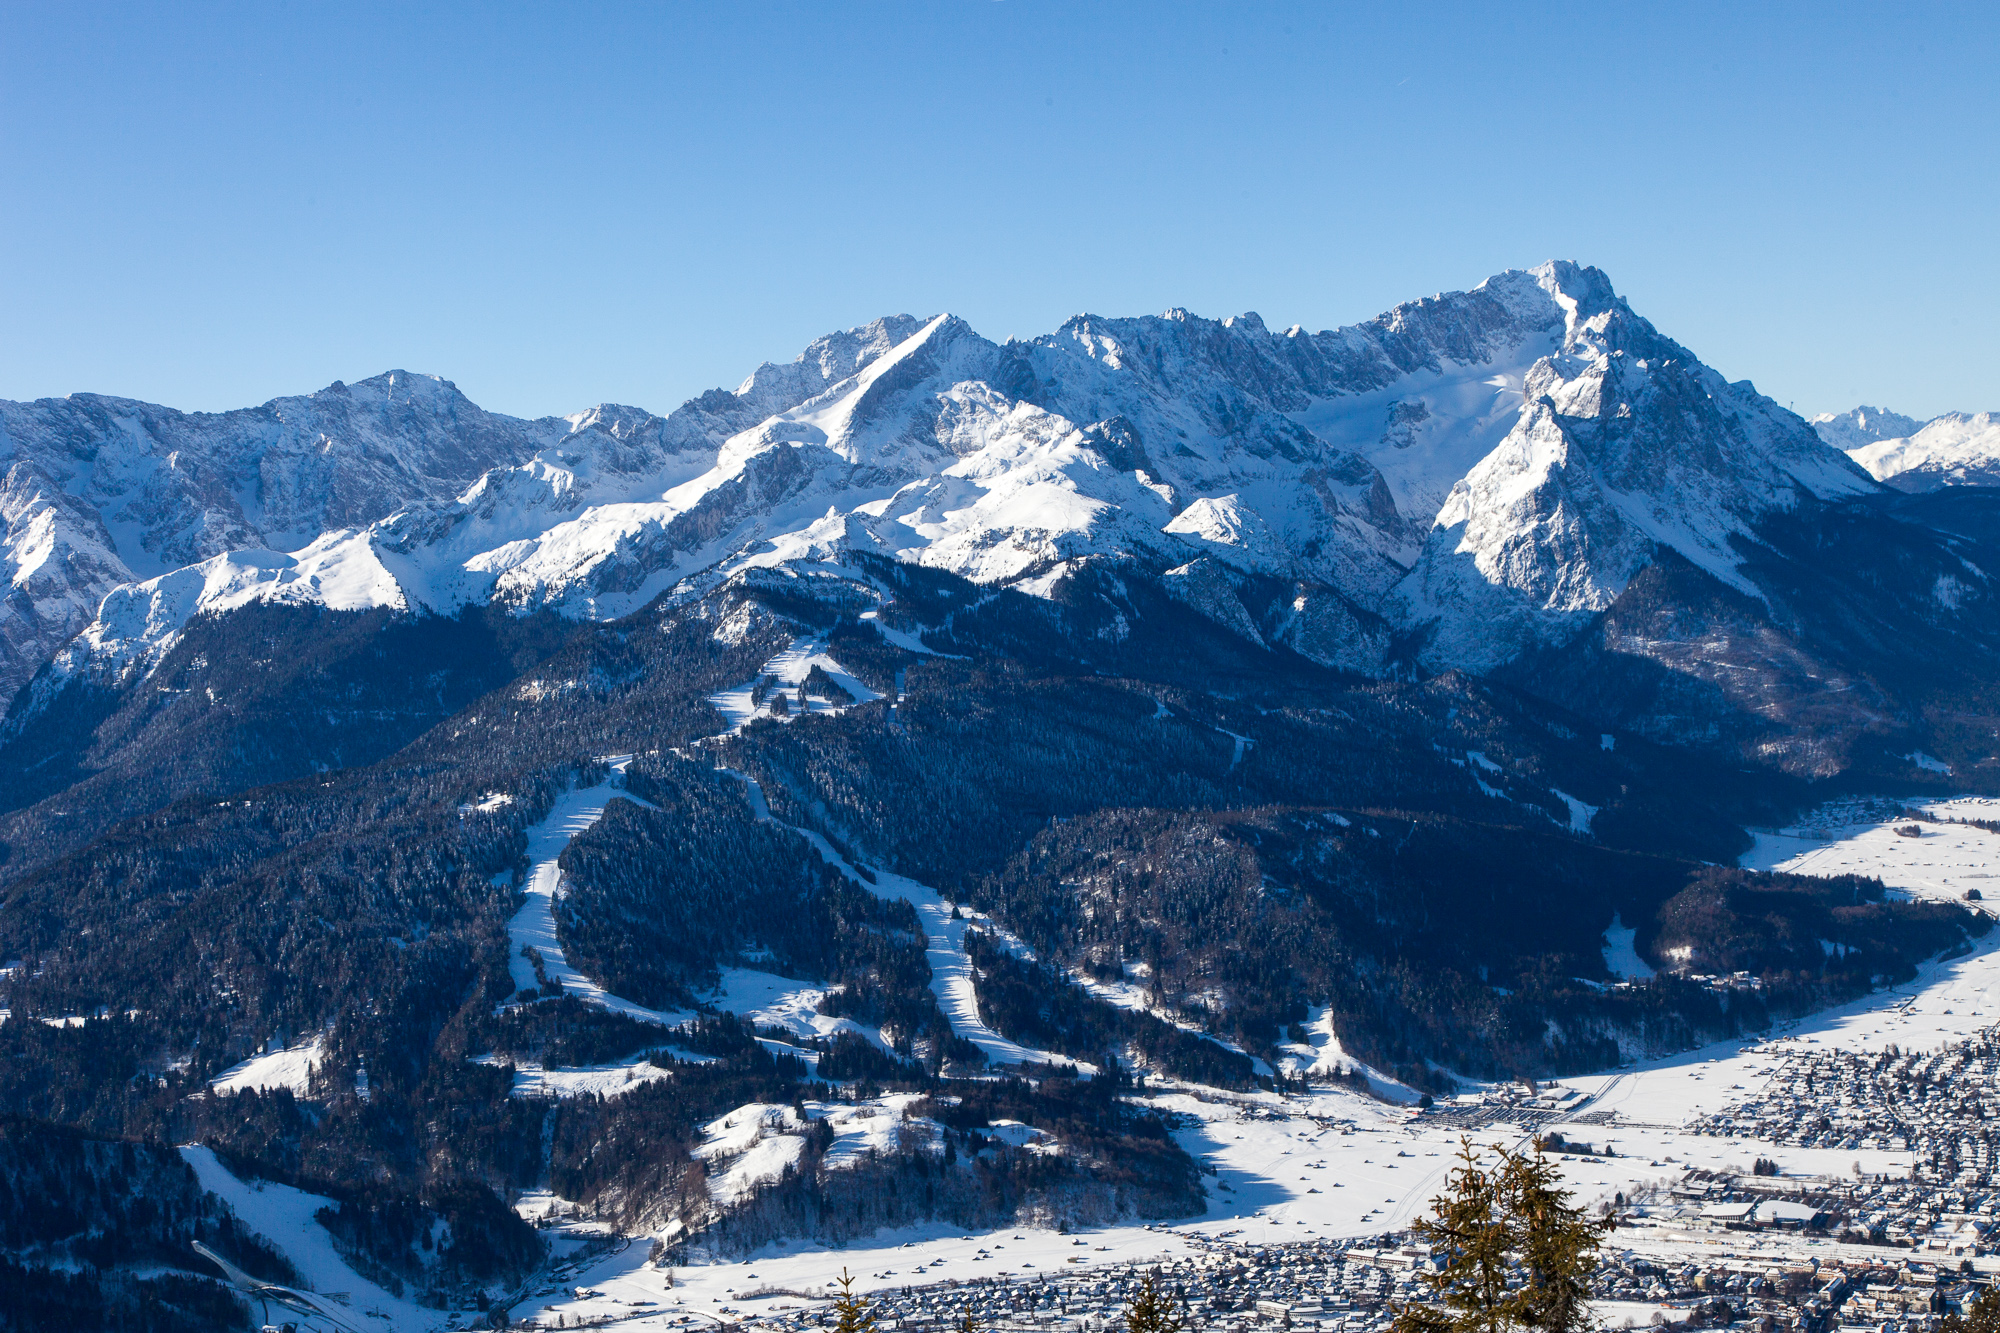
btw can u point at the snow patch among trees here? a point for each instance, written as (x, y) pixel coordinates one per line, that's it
(1621, 956)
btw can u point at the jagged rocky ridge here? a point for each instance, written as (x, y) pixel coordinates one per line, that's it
(1954, 449)
(99, 491)
(1484, 469)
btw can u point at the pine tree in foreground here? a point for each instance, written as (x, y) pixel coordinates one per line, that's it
(1155, 1309)
(851, 1312)
(1513, 1220)
(1981, 1315)
(1556, 1241)
(1470, 1232)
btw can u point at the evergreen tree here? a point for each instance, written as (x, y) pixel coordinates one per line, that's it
(1981, 1315)
(851, 1312)
(1557, 1244)
(1512, 1220)
(1473, 1235)
(1155, 1309)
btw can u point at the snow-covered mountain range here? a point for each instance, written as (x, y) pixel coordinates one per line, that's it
(96, 492)
(1955, 449)
(1482, 469)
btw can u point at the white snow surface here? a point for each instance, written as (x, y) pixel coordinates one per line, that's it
(1580, 812)
(756, 1143)
(1427, 429)
(97, 491)
(534, 924)
(788, 670)
(1621, 956)
(610, 1080)
(285, 1217)
(290, 1068)
(1324, 1055)
(1856, 838)
(769, 1000)
(1956, 449)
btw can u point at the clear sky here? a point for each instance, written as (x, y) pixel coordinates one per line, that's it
(563, 204)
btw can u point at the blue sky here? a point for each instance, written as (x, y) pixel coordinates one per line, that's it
(565, 204)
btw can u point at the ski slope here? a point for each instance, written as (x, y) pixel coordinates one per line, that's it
(761, 997)
(534, 925)
(951, 968)
(286, 1217)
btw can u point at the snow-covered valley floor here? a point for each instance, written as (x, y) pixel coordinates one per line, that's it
(1332, 1164)
(1336, 1164)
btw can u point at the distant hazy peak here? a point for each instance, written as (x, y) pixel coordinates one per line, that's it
(1863, 425)
(1955, 449)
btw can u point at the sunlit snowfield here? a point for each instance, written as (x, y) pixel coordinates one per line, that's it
(1341, 1165)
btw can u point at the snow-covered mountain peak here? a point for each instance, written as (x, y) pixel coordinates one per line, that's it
(1626, 443)
(851, 417)
(104, 490)
(615, 420)
(1583, 292)
(826, 361)
(1955, 449)
(1859, 426)
(389, 386)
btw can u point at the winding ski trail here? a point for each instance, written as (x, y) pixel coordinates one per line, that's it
(944, 935)
(534, 925)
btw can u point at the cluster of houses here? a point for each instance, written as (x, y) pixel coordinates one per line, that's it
(1864, 1252)
(1770, 1292)
(1942, 1107)
(1224, 1284)
(1944, 1223)
(1329, 1286)
(1745, 1252)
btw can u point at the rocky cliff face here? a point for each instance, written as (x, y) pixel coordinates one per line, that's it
(1625, 444)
